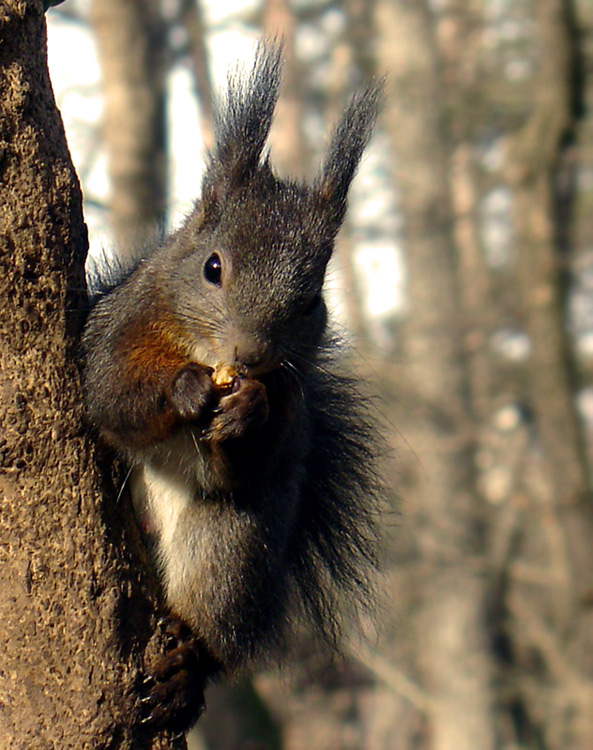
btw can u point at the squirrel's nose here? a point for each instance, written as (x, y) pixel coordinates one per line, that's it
(254, 356)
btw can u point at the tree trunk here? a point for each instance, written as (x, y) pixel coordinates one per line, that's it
(73, 602)
(452, 649)
(532, 162)
(555, 622)
(193, 20)
(130, 42)
(290, 148)
(460, 40)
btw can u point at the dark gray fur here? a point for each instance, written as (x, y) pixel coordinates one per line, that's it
(288, 526)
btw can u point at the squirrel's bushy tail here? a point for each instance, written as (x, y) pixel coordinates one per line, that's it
(336, 557)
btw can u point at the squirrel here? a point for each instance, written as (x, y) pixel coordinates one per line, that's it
(211, 369)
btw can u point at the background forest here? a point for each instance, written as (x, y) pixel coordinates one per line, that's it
(464, 284)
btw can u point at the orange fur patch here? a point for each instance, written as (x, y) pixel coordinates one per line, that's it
(154, 349)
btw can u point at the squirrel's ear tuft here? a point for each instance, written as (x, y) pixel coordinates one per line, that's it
(348, 141)
(242, 121)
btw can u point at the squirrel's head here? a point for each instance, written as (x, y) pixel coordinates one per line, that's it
(254, 252)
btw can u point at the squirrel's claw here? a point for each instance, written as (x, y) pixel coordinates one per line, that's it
(238, 412)
(172, 696)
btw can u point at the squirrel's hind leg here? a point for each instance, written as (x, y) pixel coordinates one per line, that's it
(173, 692)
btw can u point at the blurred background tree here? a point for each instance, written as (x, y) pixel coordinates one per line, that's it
(463, 282)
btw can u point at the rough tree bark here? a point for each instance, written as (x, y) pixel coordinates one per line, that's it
(76, 608)
(130, 42)
(452, 648)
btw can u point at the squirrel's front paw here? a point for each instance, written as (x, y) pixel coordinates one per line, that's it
(192, 393)
(173, 693)
(245, 407)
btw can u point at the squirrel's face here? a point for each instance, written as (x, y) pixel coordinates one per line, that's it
(252, 283)
(247, 268)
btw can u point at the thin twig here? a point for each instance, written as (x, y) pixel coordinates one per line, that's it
(394, 678)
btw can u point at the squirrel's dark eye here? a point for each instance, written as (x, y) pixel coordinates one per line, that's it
(312, 305)
(213, 269)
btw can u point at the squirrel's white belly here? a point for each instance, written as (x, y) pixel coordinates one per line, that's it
(159, 500)
(165, 488)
